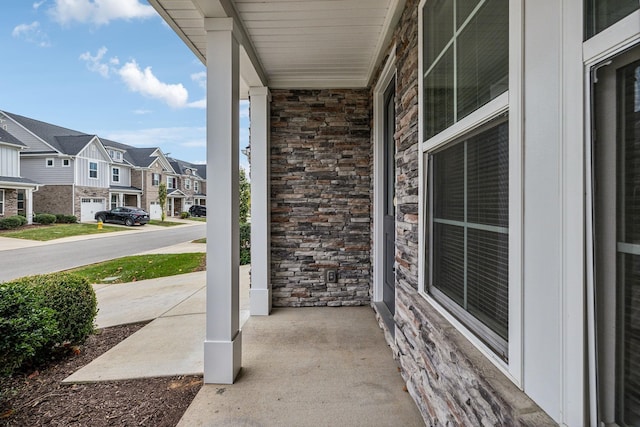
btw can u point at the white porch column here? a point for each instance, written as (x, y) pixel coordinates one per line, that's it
(222, 347)
(260, 293)
(28, 195)
(138, 201)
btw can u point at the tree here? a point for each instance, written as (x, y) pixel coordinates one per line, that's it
(162, 198)
(245, 196)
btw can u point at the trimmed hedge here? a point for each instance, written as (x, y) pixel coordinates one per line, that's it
(44, 218)
(39, 315)
(66, 219)
(27, 325)
(12, 222)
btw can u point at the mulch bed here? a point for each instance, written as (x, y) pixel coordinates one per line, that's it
(38, 398)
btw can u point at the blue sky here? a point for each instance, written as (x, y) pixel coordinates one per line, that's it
(107, 67)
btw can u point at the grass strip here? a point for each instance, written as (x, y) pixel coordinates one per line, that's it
(58, 231)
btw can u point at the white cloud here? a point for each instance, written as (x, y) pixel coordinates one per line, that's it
(95, 64)
(202, 104)
(99, 12)
(145, 83)
(37, 4)
(200, 78)
(32, 34)
(142, 112)
(244, 109)
(159, 137)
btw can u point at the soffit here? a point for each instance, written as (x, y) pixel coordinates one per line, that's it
(295, 43)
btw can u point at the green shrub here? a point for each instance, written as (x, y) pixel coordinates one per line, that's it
(245, 243)
(66, 219)
(23, 219)
(184, 215)
(73, 300)
(27, 325)
(11, 222)
(45, 218)
(40, 315)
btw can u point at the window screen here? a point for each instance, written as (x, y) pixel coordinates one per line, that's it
(469, 224)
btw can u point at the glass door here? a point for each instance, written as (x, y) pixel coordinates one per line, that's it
(616, 154)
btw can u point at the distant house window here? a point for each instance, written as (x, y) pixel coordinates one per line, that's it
(49, 163)
(196, 186)
(1, 202)
(66, 163)
(171, 182)
(115, 175)
(114, 201)
(187, 184)
(155, 179)
(93, 170)
(21, 210)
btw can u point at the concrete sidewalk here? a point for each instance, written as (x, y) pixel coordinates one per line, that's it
(172, 343)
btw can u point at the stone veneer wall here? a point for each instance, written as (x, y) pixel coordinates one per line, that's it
(320, 197)
(10, 202)
(54, 199)
(450, 380)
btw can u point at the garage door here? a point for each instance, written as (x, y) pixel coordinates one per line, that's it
(89, 207)
(155, 211)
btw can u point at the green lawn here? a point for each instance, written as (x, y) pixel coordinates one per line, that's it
(203, 240)
(141, 267)
(164, 223)
(58, 231)
(198, 218)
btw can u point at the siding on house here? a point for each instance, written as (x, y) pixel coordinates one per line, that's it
(9, 161)
(35, 169)
(33, 143)
(125, 175)
(320, 197)
(92, 153)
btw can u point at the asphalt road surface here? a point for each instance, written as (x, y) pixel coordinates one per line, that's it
(62, 256)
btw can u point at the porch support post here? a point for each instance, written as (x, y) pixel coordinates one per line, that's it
(28, 195)
(222, 347)
(138, 201)
(260, 293)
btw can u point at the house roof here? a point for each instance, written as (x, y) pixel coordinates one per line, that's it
(301, 44)
(180, 166)
(142, 157)
(50, 134)
(73, 144)
(125, 189)
(17, 180)
(7, 138)
(202, 170)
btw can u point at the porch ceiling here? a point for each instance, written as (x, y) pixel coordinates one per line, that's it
(294, 43)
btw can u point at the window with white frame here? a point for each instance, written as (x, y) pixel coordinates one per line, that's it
(171, 182)
(21, 197)
(114, 201)
(1, 202)
(155, 179)
(66, 163)
(115, 174)
(465, 66)
(187, 184)
(196, 186)
(49, 163)
(93, 170)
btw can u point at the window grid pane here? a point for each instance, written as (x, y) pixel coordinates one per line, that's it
(470, 245)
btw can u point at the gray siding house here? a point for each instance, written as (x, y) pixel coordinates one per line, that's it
(16, 192)
(469, 169)
(74, 166)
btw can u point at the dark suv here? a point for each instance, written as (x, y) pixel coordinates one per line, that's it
(197, 210)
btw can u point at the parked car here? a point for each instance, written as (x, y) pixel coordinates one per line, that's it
(127, 215)
(197, 210)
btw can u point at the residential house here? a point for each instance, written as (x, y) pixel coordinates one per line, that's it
(16, 192)
(469, 169)
(121, 170)
(190, 182)
(152, 168)
(73, 165)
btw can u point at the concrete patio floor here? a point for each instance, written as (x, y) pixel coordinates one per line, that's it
(310, 367)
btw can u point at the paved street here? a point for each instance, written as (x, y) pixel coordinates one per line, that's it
(49, 257)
